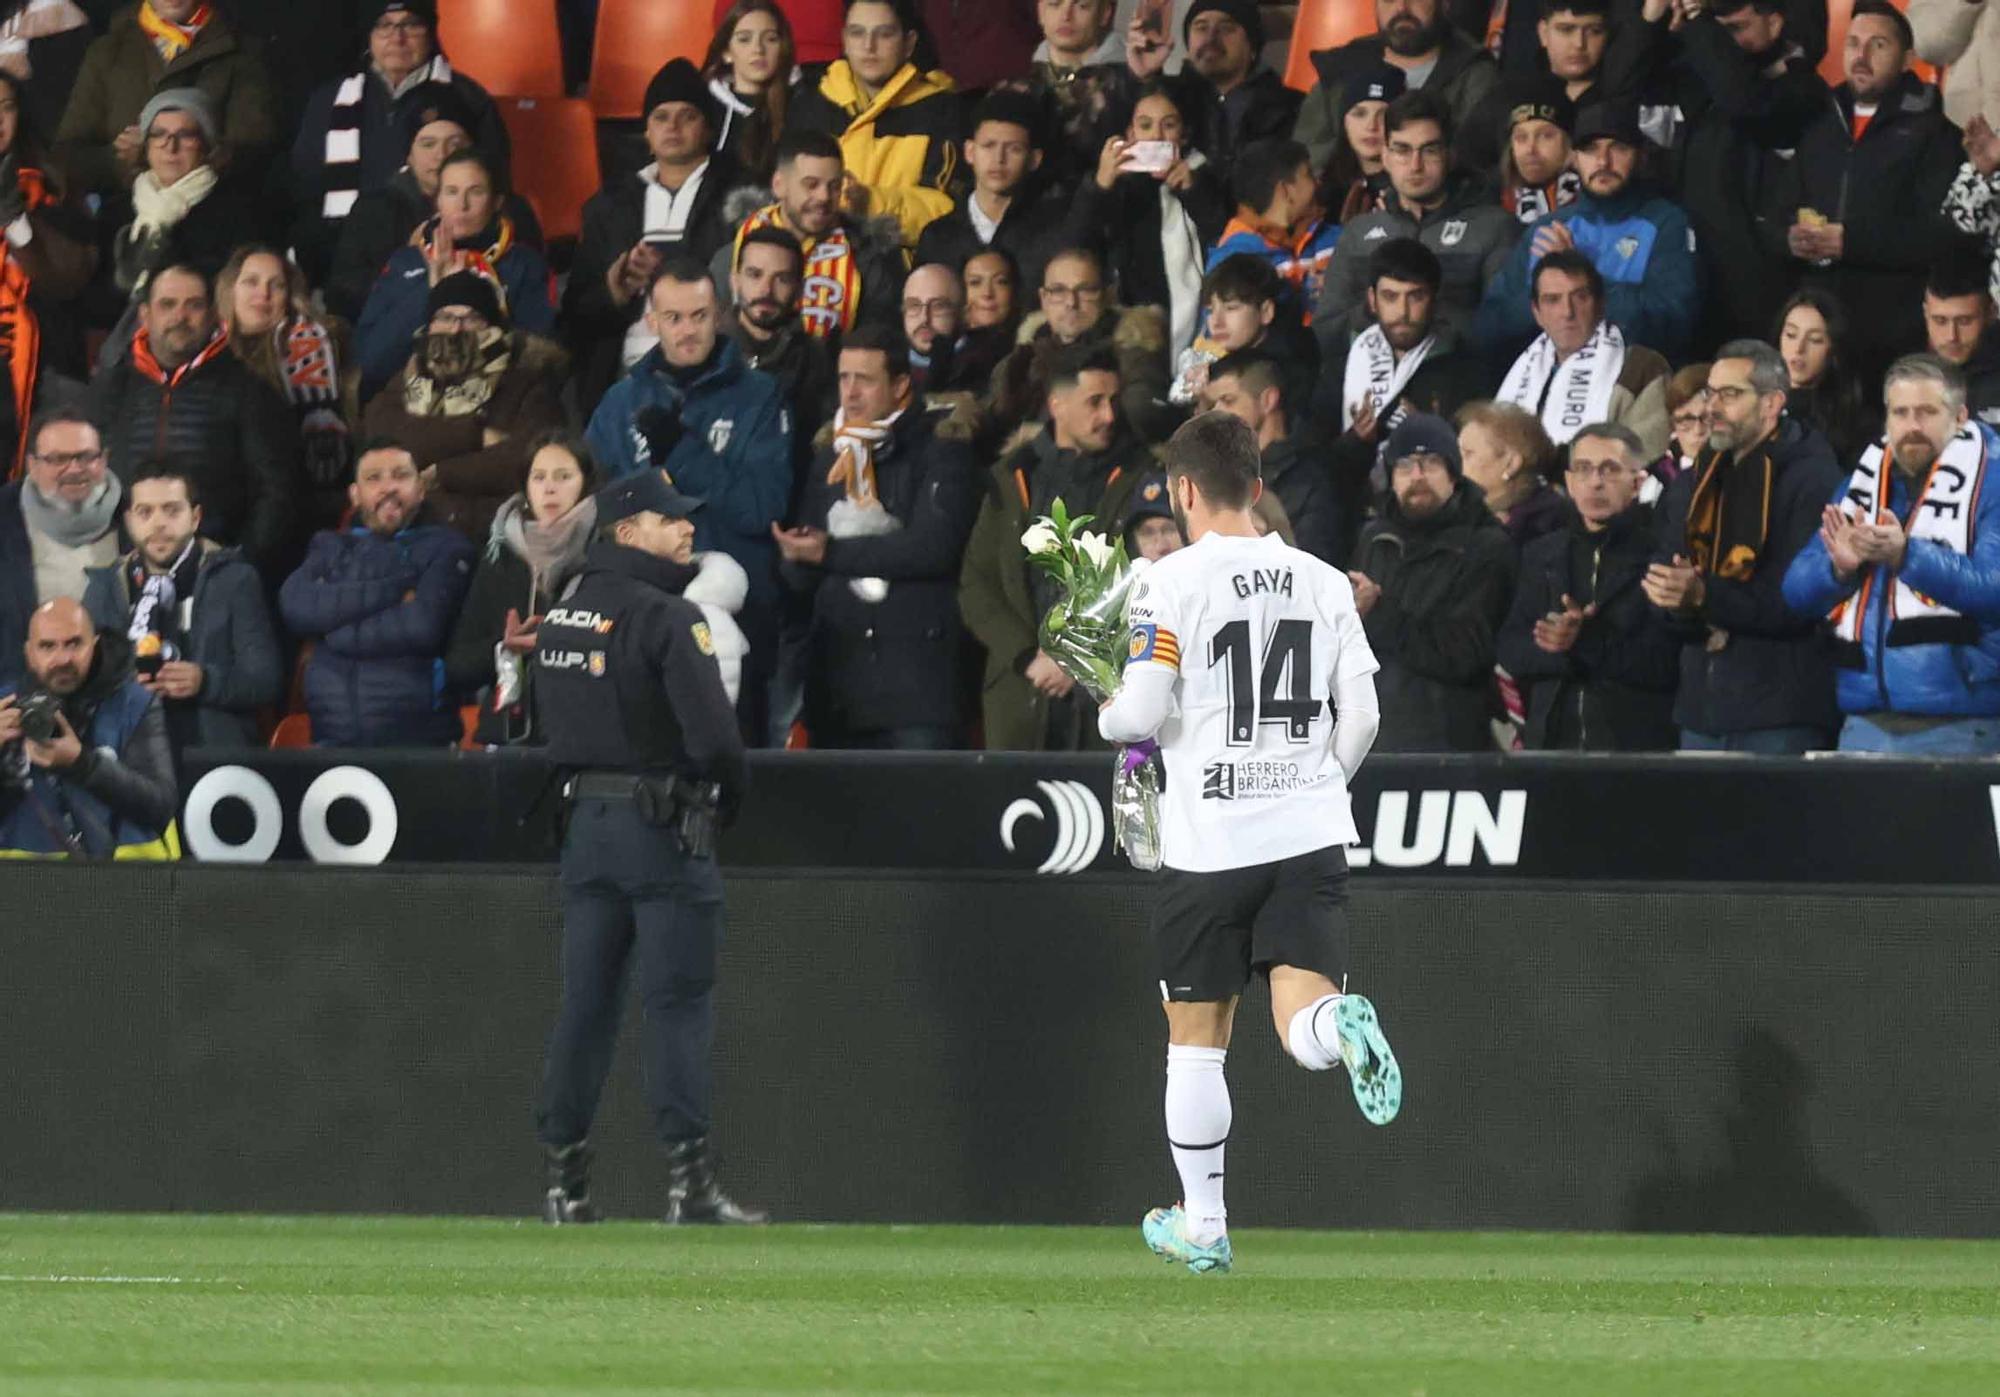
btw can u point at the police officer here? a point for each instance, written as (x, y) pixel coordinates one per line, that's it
(641, 729)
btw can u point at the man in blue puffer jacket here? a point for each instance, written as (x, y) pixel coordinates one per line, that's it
(1640, 242)
(379, 599)
(1907, 568)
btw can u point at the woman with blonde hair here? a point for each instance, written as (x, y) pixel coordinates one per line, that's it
(1511, 459)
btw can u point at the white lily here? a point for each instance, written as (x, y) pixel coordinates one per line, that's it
(1041, 537)
(1096, 547)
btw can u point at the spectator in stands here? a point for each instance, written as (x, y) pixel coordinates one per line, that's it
(1536, 174)
(1353, 180)
(378, 602)
(183, 211)
(470, 402)
(1246, 306)
(1279, 218)
(763, 321)
(1755, 677)
(42, 46)
(1958, 328)
(180, 397)
(1972, 204)
(1637, 240)
(992, 321)
(194, 614)
(899, 127)
(150, 47)
(1238, 100)
(1448, 213)
(981, 45)
(266, 308)
(357, 129)
(889, 503)
(1165, 219)
(1250, 385)
(1962, 37)
(384, 216)
(1086, 459)
(1859, 208)
(1812, 338)
(752, 72)
(1150, 530)
(1748, 92)
(1582, 368)
(1008, 205)
(1594, 658)
(1416, 36)
(1913, 593)
(854, 266)
(1402, 360)
(1505, 452)
(1078, 308)
(539, 538)
(102, 787)
(468, 233)
(933, 312)
(57, 521)
(675, 204)
(1080, 78)
(1432, 581)
(1687, 420)
(50, 253)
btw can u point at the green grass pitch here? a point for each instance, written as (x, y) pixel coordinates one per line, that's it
(204, 1305)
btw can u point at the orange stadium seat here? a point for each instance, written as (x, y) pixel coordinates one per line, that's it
(510, 47)
(293, 730)
(635, 38)
(555, 158)
(1839, 14)
(1324, 24)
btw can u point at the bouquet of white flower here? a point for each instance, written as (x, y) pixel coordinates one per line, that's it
(1086, 634)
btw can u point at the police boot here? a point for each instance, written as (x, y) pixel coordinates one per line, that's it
(568, 1198)
(693, 1196)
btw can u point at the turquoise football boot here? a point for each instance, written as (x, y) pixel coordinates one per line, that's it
(1165, 1231)
(1371, 1063)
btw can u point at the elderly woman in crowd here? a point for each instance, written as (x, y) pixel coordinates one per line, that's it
(1510, 458)
(182, 208)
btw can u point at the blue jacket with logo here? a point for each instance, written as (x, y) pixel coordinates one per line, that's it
(1954, 677)
(734, 450)
(1644, 248)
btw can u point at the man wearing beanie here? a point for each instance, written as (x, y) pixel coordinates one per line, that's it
(1433, 578)
(1418, 37)
(673, 204)
(1230, 97)
(357, 129)
(152, 46)
(1005, 207)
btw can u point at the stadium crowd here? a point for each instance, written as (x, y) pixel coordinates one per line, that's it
(1568, 327)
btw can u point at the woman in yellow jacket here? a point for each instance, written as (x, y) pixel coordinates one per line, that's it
(899, 127)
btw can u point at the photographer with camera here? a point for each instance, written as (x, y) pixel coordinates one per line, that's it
(85, 771)
(639, 725)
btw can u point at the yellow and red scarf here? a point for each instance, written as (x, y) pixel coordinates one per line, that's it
(483, 263)
(830, 295)
(20, 330)
(169, 39)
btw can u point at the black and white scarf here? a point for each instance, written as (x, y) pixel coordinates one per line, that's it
(1570, 394)
(342, 179)
(1533, 202)
(1374, 373)
(1943, 514)
(163, 601)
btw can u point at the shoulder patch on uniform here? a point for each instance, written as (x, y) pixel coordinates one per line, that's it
(702, 639)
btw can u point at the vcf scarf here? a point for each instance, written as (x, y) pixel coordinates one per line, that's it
(1571, 394)
(157, 610)
(485, 262)
(860, 513)
(170, 39)
(20, 329)
(831, 295)
(341, 156)
(1946, 505)
(1373, 373)
(1729, 513)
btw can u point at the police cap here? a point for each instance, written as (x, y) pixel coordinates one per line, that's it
(635, 494)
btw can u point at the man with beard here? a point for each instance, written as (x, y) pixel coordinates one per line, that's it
(1755, 675)
(1085, 458)
(378, 600)
(1432, 580)
(1230, 97)
(1958, 326)
(85, 770)
(1416, 36)
(194, 613)
(1535, 174)
(933, 312)
(181, 397)
(854, 267)
(1249, 385)
(764, 323)
(56, 522)
(1638, 241)
(1913, 592)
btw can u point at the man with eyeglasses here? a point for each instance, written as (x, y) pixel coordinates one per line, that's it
(154, 45)
(1451, 214)
(1595, 659)
(933, 312)
(1416, 36)
(58, 521)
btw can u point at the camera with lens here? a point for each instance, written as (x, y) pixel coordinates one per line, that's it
(39, 717)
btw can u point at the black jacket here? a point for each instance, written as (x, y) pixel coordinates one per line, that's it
(1299, 470)
(1775, 670)
(1123, 223)
(232, 432)
(1260, 108)
(1613, 690)
(1031, 229)
(1445, 582)
(380, 222)
(501, 582)
(17, 581)
(806, 370)
(1982, 379)
(895, 662)
(1463, 78)
(229, 635)
(228, 218)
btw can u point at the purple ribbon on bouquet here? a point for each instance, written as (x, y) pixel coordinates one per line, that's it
(1136, 756)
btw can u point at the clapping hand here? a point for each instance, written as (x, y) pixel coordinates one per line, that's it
(1839, 534)
(1366, 592)
(1557, 631)
(1675, 586)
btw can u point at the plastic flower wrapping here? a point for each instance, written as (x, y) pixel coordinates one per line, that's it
(1086, 634)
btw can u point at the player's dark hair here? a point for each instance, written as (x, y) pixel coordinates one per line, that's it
(1406, 259)
(1245, 278)
(880, 339)
(1255, 369)
(1573, 263)
(1068, 365)
(1261, 167)
(165, 470)
(1219, 454)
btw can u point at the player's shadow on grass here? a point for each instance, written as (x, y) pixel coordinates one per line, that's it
(1770, 1183)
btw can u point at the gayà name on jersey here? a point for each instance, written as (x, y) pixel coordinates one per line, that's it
(1275, 582)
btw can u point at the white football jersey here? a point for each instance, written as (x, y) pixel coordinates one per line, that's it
(1259, 634)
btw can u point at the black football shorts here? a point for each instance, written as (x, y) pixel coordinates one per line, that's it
(1212, 930)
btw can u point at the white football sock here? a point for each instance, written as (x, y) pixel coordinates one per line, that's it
(1313, 1036)
(1197, 1128)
